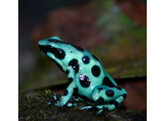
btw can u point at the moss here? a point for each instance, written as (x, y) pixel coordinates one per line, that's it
(36, 106)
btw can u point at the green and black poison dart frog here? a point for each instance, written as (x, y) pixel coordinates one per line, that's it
(85, 73)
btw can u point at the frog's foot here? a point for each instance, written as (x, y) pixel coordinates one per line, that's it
(113, 104)
(69, 104)
(66, 95)
(55, 97)
(57, 103)
(100, 107)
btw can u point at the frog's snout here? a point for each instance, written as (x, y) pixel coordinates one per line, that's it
(42, 42)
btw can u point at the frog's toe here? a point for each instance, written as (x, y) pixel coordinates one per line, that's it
(100, 111)
(71, 104)
(59, 104)
(55, 97)
(106, 106)
(85, 107)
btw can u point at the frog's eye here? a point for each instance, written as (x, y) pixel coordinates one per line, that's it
(58, 53)
(45, 49)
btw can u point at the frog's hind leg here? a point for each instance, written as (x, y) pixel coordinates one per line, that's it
(104, 94)
(107, 97)
(109, 107)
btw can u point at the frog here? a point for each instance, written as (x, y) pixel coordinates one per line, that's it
(88, 80)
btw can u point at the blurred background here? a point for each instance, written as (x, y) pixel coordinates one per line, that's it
(114, 30)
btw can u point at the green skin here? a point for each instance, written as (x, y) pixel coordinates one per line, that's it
(94, 89)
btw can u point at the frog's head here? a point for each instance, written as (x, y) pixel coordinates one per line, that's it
(54, 49)
(57, 50)
(51, 46)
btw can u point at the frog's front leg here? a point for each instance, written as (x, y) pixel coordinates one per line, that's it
(66, 95)
(106, 94)
(70, 89)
